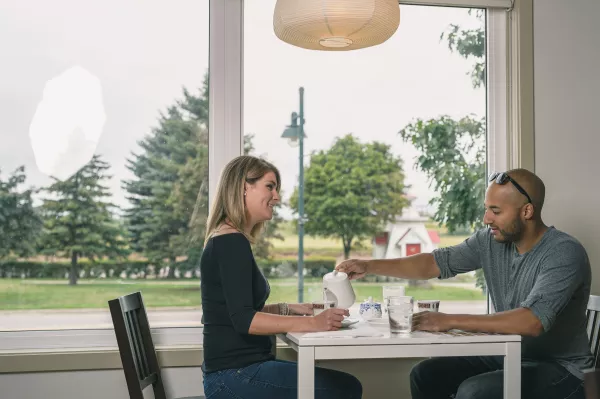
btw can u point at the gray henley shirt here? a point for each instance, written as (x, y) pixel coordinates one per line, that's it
(552, 280)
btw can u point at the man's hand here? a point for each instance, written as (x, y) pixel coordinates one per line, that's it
(302, 309)
(354, 268)
(431, 321)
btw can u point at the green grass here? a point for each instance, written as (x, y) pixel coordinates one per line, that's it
(53, 294)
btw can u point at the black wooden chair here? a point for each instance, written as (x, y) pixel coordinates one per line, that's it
(136, 347)
(592, 376)
(593, 326)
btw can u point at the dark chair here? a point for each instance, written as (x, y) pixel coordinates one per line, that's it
(138, 356)
(593, 326)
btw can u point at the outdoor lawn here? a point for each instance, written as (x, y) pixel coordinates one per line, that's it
(18, 294)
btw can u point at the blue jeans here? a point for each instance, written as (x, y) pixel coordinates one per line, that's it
(277, 379)
(483, 378)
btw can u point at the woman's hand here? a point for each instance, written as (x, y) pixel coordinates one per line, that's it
(329, 320)
(300, 309)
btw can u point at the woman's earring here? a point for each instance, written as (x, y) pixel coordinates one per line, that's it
(244, 193)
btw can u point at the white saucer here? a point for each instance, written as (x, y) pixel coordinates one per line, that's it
(379, 321)
(348, 321)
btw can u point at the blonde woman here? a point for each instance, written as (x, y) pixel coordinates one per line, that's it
(238, 362)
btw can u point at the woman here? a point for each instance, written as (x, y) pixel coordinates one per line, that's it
(238, 362)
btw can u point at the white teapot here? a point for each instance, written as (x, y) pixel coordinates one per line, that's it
(337, 288)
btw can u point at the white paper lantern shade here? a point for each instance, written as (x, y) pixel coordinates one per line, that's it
(335, 25)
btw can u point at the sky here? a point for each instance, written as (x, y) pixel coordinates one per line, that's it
(126, 61)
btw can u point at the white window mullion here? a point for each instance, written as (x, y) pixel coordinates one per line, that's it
(520, 85)
(226, 86)
(497, 96)
(497, 90)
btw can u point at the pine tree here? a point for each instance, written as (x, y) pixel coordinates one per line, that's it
(19, 222)
(168, 195)
(78, 221)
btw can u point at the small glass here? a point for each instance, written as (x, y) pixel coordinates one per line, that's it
(400, 312)
(391, 290)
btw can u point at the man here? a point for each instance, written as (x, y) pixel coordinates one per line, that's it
(539, 281)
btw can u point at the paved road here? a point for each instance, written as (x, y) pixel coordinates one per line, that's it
(172, 317)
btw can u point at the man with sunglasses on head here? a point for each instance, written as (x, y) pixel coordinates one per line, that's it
(539, 282)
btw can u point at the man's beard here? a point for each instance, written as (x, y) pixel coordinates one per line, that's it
(514, 234)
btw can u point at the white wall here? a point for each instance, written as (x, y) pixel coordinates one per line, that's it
(381, 379)
(102, 384)
(567, 110)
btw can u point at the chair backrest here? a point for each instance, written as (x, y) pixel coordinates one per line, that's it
(593, 326)
(138, 356)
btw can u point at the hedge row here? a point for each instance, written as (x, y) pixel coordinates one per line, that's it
(282, 268)
(142, 269)
(26, 269)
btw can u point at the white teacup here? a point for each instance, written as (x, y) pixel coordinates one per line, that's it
(321, 306)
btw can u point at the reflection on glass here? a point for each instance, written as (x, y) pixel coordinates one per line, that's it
(68, 122)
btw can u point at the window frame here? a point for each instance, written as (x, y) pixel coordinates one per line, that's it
(509, 49)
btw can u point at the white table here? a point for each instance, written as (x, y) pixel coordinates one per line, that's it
(418, 344)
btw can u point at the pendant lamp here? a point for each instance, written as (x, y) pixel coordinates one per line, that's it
(335, 25)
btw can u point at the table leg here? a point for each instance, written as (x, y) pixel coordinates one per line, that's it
(512, 371)
(306, 372)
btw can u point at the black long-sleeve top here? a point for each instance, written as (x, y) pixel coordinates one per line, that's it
(233, 290)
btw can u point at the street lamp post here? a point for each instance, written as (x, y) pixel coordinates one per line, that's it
(295, 133)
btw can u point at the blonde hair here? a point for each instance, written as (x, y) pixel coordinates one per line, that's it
(228, 203)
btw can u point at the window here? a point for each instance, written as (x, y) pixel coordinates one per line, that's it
(110, 98)
(379, 122)
(141, 59)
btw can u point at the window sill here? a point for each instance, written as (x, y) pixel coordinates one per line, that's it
(80, 350)
(91, 339)
(86, 359)
(80, 359)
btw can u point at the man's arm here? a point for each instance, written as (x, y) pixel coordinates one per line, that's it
(416, 267)
(519, 321)
(442, 263)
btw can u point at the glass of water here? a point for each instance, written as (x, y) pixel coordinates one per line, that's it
(400, 312)
(389, 291)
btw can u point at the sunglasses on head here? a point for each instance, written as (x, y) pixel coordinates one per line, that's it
(502, 178)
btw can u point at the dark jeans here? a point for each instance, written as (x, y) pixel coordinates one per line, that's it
(483, 377)
(277, 379)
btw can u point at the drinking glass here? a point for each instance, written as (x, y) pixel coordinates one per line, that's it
(400, 312)
(391, 290)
